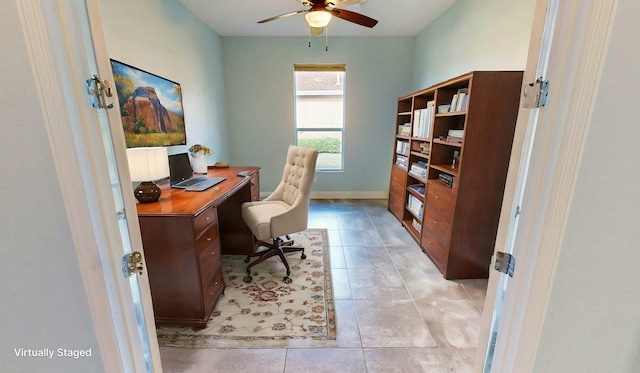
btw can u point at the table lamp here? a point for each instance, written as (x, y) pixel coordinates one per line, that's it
(147, 165)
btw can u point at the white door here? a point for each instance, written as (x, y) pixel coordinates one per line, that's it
(538, 57)
(570, 49)
(67, 48)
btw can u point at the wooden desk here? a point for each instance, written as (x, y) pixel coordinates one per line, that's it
(184, 234)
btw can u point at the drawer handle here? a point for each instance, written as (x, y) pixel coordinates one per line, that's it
(213, 253)
(437, 197)
(215, 283)
(435, 222)
(211, 293)
(208, 239)
(207, 218)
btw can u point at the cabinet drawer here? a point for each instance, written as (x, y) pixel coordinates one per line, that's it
(213, 289)
(396, 190)
(204, 219)
(435, 251)
(208, 237)
(441, 200)
(398, 175)
(209, 260)
(438, 224)
(395, 206)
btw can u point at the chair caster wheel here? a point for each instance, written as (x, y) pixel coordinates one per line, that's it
(247, 259)
(287, 280)
(247, 279)
(303, 256)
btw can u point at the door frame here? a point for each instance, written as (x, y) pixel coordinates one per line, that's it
(579, 45)
(55, 34)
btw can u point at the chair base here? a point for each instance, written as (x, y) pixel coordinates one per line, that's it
(277, 247)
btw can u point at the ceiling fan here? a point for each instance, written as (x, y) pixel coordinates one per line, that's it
(320, 12)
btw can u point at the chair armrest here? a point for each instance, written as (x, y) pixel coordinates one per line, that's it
(293, 220)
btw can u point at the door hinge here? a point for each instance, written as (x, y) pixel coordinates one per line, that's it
(534, 95)
(503, 262)
(98, 91)
(132, 263)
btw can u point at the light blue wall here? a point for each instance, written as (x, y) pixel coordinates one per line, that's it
(473, 35)
(162, 37)
(259, 88)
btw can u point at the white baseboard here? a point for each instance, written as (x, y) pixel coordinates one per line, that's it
(342, 195)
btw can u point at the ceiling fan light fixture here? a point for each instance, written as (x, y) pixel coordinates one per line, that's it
(318, 18)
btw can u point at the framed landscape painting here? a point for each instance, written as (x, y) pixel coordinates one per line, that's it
(151, 107)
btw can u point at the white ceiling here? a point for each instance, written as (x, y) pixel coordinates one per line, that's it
(240, 17)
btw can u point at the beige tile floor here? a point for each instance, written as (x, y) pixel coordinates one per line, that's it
(395, 312)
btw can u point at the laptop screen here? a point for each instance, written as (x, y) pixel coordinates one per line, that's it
(179, 168)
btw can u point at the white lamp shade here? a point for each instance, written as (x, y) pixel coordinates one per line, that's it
(318, 18)
(148, 164)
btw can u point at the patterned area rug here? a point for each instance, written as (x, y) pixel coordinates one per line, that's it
(267, 311)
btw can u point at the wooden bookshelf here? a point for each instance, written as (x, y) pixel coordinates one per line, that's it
(457, 224)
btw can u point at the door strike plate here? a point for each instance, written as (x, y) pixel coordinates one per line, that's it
(504, 263)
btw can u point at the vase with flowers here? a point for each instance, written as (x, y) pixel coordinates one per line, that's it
(198, 163)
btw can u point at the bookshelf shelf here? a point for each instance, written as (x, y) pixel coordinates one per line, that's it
(455, 220)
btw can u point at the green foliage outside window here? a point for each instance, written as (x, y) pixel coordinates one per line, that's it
(323, 145)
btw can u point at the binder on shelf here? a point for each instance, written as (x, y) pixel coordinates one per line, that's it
(423, 119)
(402, 147)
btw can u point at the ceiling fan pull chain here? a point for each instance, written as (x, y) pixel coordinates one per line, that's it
(326, 38)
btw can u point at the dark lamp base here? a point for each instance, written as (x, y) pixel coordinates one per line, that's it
(147, 192)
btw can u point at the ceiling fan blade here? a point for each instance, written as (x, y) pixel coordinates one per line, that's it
(342, 3)
(283, 15)
(354, 17)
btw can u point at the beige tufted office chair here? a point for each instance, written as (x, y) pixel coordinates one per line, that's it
(284, 212)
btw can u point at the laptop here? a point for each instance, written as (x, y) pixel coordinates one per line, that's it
(181, 175)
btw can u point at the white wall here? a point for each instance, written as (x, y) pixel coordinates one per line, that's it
(259, 89)
(473, 35)
(164, 38)
(593, 318)
(43, 299)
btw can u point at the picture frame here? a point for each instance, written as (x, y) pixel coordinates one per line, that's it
(150, 107)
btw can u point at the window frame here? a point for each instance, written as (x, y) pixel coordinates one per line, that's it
(323, 68)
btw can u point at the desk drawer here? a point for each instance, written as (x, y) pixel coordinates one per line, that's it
(208, 237)
(204, 219)
(212, 290)
(209, 260)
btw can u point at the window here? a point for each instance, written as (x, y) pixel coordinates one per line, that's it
(319, 112)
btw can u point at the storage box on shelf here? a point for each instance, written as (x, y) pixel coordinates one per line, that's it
(447, 191)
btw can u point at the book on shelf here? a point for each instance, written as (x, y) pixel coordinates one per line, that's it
(416, 224)
(419, 188)
(419, 169)
(454, 103)
(463, 98)
(455, 136)
(422, 120)
(404, 129)
(416, 122)
(415, 205)
(402, 161)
